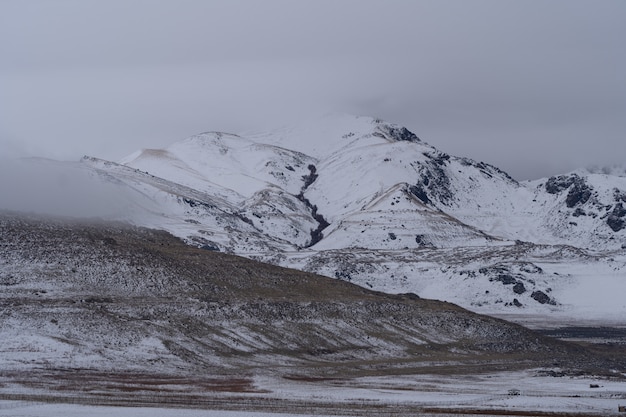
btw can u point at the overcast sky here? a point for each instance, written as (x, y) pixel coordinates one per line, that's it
(536, 88)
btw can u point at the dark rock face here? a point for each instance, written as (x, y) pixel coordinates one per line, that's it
(486, 169)
(396, 133)
(505, 279)
(434, 182)
(615, 220)
(309, 179)
(555, 185)
(422, 240)
(579, 191)
(542, 298)
(578, 194)
(519, 288)
(619, 195)
(419, 192)
(322, 223)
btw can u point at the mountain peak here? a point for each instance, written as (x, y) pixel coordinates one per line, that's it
(395, 133)
(210, 136)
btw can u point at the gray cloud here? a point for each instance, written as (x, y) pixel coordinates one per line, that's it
(48, 187)
(536, 88)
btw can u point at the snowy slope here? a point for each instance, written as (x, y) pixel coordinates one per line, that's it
(364, 200)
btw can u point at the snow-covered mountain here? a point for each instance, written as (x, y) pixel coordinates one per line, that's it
(369, 202)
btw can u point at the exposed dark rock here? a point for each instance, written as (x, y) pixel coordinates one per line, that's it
(396, 133)
(505, 279)
(619, 210)
(247, 220)
(205, 244)
(542, 298)
(530, 268)
(434, 182)
(441, 159)
(316, 234)
(578, 194)
(310, 178)
(555, 185)
(579, 212)
(519, 288)
(344, 275)
(212, 247)
(196, 203)
(392, 236)
(322, 223)
(516, 303)
(486, 169)
(579, 191)
(615, 220)
(421, 240)
(419, 192)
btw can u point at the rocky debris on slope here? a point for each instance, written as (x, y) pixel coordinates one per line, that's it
(520, 277)
(586, 202)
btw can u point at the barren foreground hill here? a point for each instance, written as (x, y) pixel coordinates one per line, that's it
(87, 305)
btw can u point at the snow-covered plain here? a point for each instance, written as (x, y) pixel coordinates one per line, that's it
(510, 391)
(23, 409)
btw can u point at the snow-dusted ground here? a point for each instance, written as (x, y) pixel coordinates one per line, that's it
(401, 393)
(22, 409)
(480, 391)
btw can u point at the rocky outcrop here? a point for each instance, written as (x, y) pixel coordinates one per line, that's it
(434, 185)
(395, 133)
(615, 219)
(542, 298)
(579, 191)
